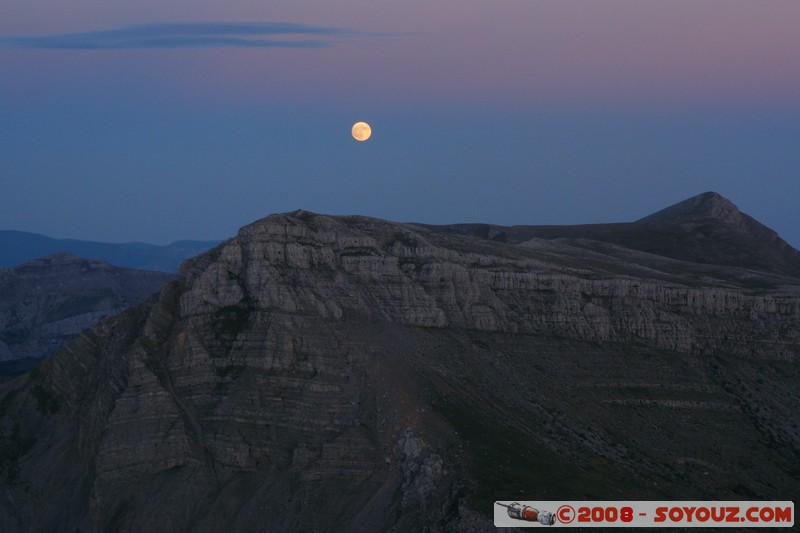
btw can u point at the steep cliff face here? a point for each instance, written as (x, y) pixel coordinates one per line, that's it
(47, 301)
(346, 374)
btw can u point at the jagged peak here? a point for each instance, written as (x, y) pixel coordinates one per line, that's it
(706, 205)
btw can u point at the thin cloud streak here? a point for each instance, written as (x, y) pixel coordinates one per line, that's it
(187, 35)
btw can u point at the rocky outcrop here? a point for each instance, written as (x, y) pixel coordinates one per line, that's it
(353, 374)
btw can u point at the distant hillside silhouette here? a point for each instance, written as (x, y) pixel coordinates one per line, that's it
(706, 229)
(17, 247)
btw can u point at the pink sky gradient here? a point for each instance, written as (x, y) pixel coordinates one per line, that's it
(564, 52)
(504, 111)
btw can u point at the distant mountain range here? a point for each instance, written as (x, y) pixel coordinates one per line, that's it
(322, 373)
(16, 247)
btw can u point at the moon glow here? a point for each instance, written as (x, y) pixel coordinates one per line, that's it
(361, 131)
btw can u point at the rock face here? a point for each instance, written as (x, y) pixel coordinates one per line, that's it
(46, 302)
(352, 374)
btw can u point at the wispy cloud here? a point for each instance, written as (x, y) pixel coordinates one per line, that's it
(188, 35)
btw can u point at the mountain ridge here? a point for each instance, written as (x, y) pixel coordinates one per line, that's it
(17, 247)
(706, 228)
(348, 373)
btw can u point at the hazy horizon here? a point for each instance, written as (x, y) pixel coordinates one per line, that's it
(160, 122)
(208, 240)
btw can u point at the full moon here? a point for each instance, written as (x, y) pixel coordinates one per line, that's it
(361, 131)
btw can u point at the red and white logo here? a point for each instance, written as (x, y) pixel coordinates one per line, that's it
(645, 514)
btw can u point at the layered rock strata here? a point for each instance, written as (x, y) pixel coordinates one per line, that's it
(346, 373)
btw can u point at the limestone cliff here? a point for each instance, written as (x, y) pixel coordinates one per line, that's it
(353, 374)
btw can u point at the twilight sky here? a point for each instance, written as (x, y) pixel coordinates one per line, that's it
(156, 121)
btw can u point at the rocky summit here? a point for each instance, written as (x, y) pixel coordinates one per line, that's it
(320, 373)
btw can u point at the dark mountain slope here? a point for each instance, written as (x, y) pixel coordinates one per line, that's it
(47, 301)
(352, 374)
